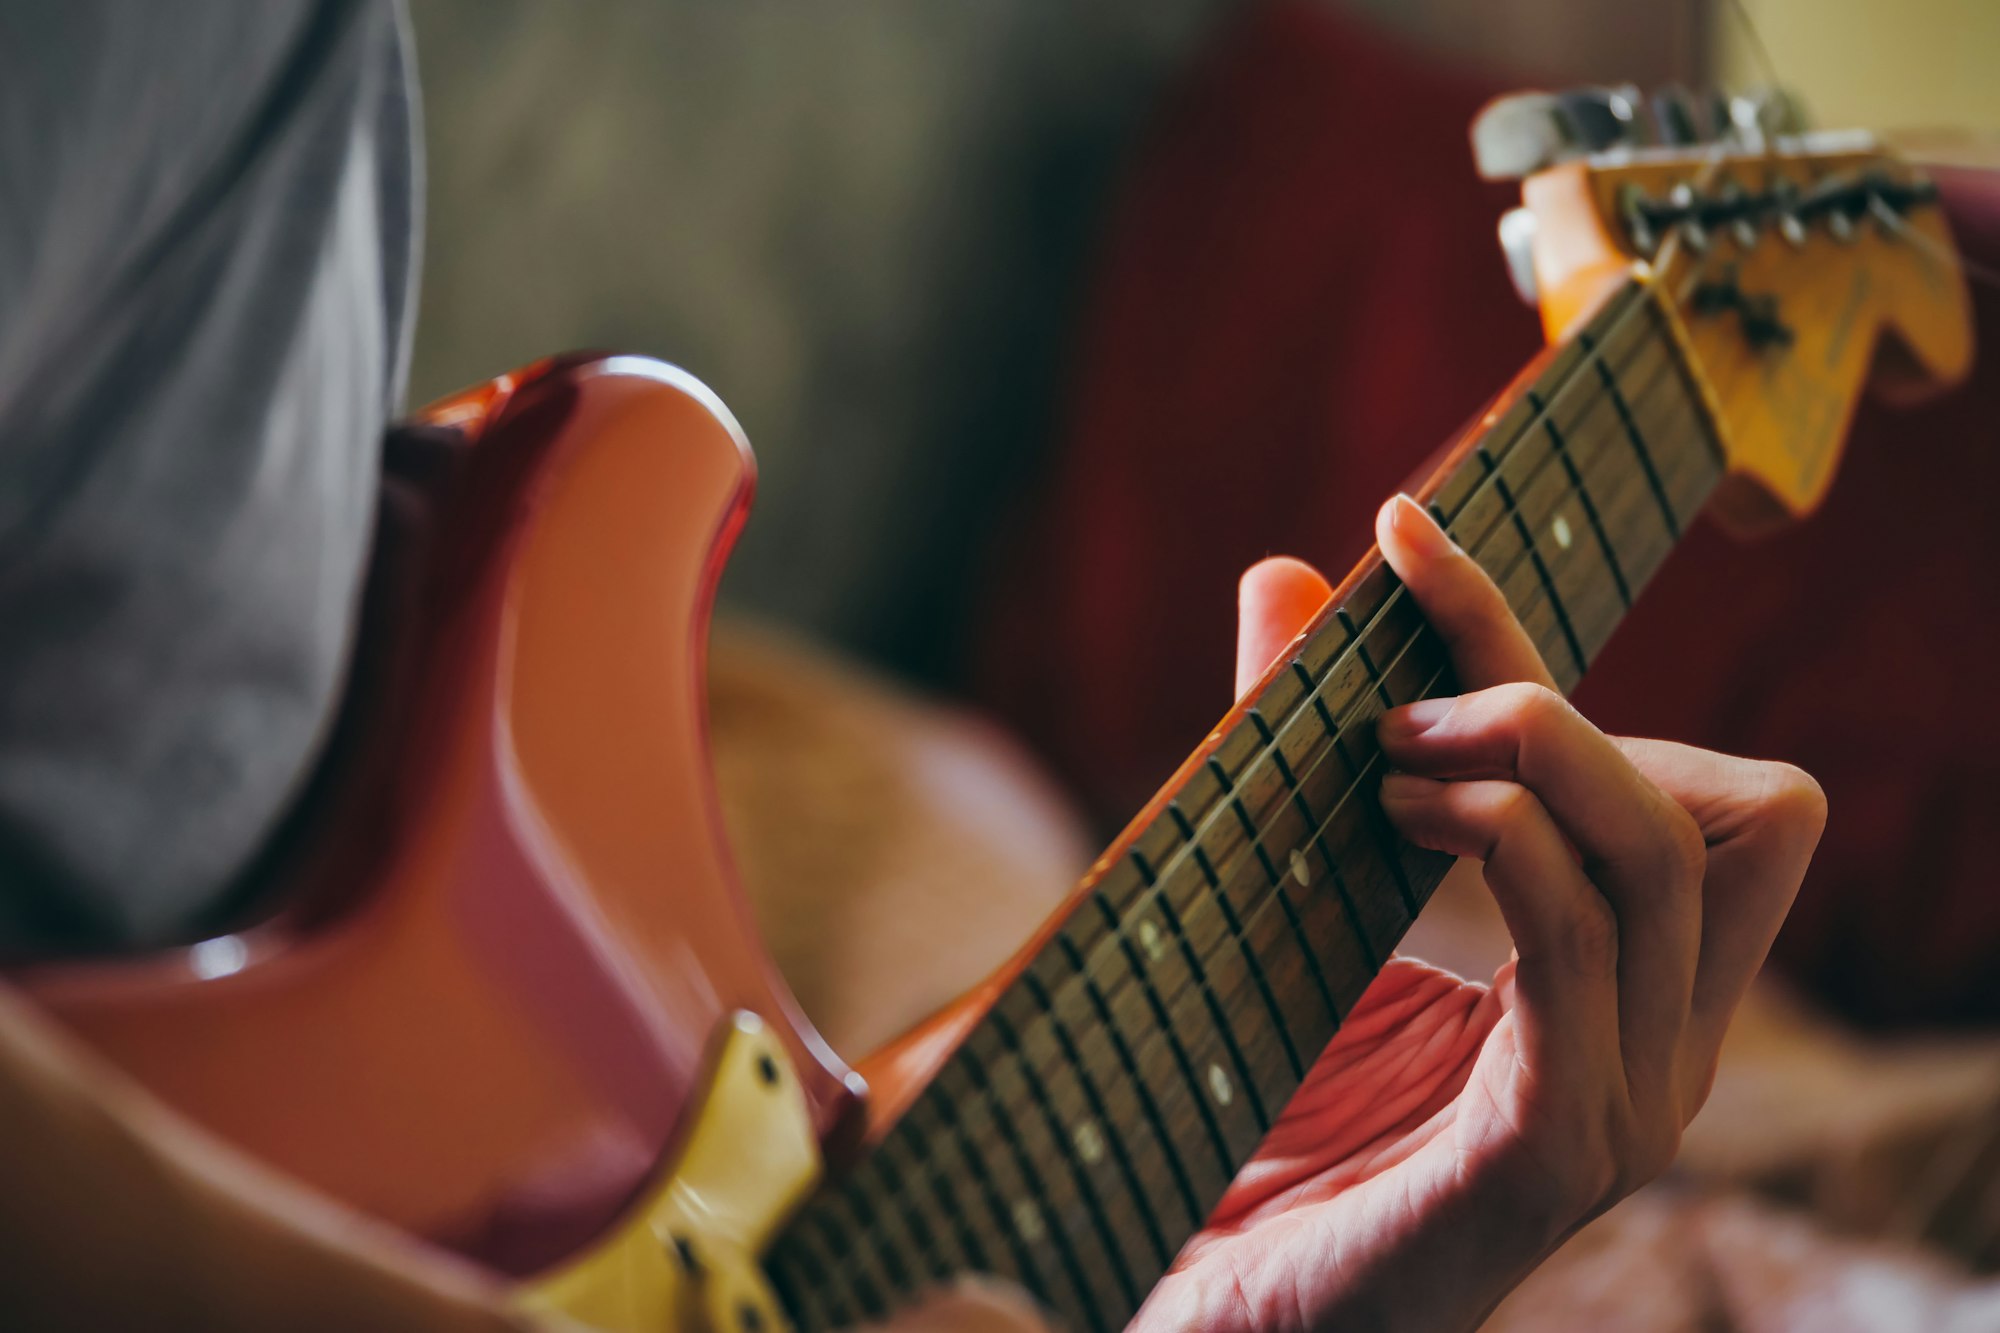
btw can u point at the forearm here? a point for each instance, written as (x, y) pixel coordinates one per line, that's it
(114, 1213)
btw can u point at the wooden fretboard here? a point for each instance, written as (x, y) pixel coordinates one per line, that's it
(1094, 1117)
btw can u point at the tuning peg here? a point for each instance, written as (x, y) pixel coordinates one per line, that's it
(1522, 133)
(1602, 118)
(1518, 135)
(1764, 114)
(1674, 117)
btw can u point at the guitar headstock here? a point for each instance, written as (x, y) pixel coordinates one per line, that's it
(1788, 259)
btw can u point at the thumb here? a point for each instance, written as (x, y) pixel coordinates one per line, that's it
(1275, 600)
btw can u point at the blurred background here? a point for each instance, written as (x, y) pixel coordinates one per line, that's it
(1046, 319)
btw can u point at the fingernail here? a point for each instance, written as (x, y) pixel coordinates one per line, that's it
(1413, 720)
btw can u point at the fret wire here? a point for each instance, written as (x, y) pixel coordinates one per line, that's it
(1099, 1000)
(1066, 1152)
(1167, 1025)
(1385, 837)
(814, 1286)
(1003, 1221)
(841, 1249)
(1434, 679)
(1147, 1101)
(948, 1202)
(1050, 1223)
(1369, 954)
(1525, 433)
(1172, 1036)
(887, 1258)
(1114, 1142)
(1534, 554)
(1231, 925)
(1561, 442)
(1180, 1005)
(1296, 927)
(927, 1238)
(1638, 442)
(1218, 1017)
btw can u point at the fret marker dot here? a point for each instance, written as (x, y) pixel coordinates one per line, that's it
(1218, 1083)
(1089, 1143)
(1561, 529)
(1028, 1221)
(1300, 871)
(1149, 940)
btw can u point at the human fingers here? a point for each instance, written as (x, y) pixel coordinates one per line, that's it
(1761, 822)
(1486, 643)
(1638, 846)
(1565, 934)
(1275, 600)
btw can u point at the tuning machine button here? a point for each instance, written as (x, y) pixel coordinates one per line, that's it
(1523, 133)
(1675, 120)
(1603, 118)
(1517, 243)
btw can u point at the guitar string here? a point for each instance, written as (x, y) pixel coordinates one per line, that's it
(1254, 912)
(1239, 937)
(970, 1123)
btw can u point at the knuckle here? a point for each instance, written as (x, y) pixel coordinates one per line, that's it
(1529, 706)
(1686, 850)
(1793, 799)
(1590, 937)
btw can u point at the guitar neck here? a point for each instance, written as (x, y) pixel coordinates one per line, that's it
(1090, 1122)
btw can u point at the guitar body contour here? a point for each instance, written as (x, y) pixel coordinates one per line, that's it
(497, 1041)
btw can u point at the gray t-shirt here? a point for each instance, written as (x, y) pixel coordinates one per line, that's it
(207, 253)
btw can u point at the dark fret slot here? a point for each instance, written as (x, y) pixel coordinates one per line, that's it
(1639, 446)
(1096, 1116)
(1015, 1214)
(1097, 1046)
(808, 1286)
(1194, 1154)
(1359, 721)
(907, 1144)
(840, 1239)
(1072, 1214)
(1094, 1141)
(959, 1183)
(1291, 824)
(1532, 549)
(1379, 918)
(1253, 835)
(1586, 504)
(1623, 492)
(1135, 953)
(1243, 1120)
(1601, 450)
(1575, 566)
(884, 1263)
(941, 1248)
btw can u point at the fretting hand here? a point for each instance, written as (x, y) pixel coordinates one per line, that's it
(1454, 1134)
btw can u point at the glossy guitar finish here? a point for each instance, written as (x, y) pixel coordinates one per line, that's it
(494, 1042)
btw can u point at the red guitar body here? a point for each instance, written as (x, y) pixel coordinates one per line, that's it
(441, 1025)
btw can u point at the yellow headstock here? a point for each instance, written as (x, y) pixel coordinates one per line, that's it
(1788, 263)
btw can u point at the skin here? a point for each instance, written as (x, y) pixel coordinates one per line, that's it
(1455, 1133)
(1451, 1136)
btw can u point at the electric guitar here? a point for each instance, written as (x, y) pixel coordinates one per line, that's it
(496, 984)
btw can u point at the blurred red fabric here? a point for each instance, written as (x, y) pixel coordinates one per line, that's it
(1299, 297)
